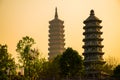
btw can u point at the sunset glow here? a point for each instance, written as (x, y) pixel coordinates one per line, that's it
(19, 18)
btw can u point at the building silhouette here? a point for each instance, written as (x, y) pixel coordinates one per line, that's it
(56, 37)
(93, 54)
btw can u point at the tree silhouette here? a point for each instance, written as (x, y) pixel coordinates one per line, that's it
(26, 57)
(23, 47)
(7, 64)
(71, 63)
(116, 72)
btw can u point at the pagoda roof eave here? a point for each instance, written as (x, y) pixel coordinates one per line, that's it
(92, 18)
(56, 20)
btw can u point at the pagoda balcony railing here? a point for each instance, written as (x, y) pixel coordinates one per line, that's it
(54, 35)
(58, 35)
(56, 51)
(54, 40)
(100, 61)
(51, 44)
(56, 26)
(56, 31)
(57, 48)
(57, 40)
(92, 26)
(91, 32)
(92, 39)
(94, 59)
(93, 52)
(93, 45)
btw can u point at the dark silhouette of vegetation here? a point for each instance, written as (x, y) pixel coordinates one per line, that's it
(116, 73)
(67, 66)
(58, 68)
(24, 47)
(71, 64)
(110, 64)
(7, 64)
(29, 57)
(50, 71)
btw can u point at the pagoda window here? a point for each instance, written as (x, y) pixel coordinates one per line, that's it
(93, 35)
(101, 57)
(97, 23)
(100, 49)
(86, 43)
(99, 43)
(86, 50)
(98, 36)
(87, 36)
(86, 30)
(97, 29)
(89, 30)
(93, 49)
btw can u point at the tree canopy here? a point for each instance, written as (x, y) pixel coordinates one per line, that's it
(7, 64)
(116, 72)
(23, 47)
(28, 56)
(71, 63)
(65, 66)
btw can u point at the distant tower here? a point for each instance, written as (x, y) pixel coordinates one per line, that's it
(93, 55)
(56, 37)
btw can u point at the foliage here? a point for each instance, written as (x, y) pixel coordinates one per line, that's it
(23, 47)
(34, 68)
(116, 72)
(29, 57)
(55, 68)
(50, 70)
(71, 63)
(7, 64)
(110, 64)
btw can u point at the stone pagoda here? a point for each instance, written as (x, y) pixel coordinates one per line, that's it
(56, 37)
(93, 55)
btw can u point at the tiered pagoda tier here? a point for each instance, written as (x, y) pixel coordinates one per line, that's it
(93, 55)
(56, 37)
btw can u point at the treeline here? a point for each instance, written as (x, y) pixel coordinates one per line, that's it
(67, 66)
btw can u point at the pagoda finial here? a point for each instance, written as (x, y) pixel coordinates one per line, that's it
(92, 12)
(56, 14)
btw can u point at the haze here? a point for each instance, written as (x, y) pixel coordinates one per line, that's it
(19, 18)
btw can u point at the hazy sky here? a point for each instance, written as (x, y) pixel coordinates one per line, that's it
(19, 18)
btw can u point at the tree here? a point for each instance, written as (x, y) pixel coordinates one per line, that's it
(26, 54)
(50, 70)
(23, 47)
(38, 68)
(110, 64)
(7, 64)
(71, 63)
(36, 64)
(116, 72)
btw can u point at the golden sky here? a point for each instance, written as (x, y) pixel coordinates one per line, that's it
(19, 18)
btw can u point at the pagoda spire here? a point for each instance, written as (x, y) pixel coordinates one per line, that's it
(92, 12)
(56, 14)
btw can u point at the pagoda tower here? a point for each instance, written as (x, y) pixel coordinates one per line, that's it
(93, 55)
(56, 37)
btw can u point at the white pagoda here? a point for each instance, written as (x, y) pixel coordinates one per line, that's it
(56, 37)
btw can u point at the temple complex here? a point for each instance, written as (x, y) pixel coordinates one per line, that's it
(93, 54)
